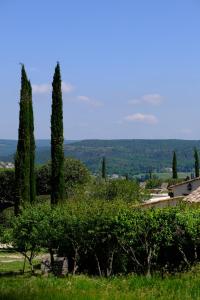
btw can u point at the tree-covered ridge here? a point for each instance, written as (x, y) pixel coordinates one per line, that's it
(134, 156)
(122, 156)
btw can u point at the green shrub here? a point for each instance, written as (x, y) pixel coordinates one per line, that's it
(153, 183)
(7, 185)
(75, 175)
(126, 190)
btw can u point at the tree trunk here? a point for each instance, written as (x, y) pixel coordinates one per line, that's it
(110, 264)
(98, 265)
(75, 261)
(148, 273)
(184, 256)
(24, 265)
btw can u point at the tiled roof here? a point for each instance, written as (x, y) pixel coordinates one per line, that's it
(184, 182)
(193, 197)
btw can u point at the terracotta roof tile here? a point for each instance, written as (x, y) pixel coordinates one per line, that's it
(193, 197)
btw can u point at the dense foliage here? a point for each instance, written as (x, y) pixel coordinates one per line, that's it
(108, 238)
(7, 186)
(24, 158)
(126, 190)
(123, 156)
(75, 175)
(196, 162)
(32, 148)
(153, 183)
(130, 156)
(57, 139)
(174, 166)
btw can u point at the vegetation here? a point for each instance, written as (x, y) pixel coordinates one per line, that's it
(32, 148)
(103, 168)
(109, 237)
(57, 150)
(76, 176)
(174, 166)
(22, 158)
(196, 158)
(179, 287)
(102, 230)
(125, 156)
(130, 156)
(153, 183)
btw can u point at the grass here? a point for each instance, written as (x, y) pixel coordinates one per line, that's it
(83, 287)
(183, 286)
(13, 262)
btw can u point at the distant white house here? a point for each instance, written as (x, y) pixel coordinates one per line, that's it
(184, 188)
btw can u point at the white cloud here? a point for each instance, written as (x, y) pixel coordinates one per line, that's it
(67, 87)
(142, 118)
(89, 101)
(152, 99)
(41, 88)
(46, 88)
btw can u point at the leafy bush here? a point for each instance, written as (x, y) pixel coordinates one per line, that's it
(125, 190)
(110, 237)
(75, 174)
(7, 185)
(153, 183)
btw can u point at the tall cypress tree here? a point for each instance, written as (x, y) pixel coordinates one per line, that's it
(32, 148)
(196, 158)
(103, 168)
(57, 140)
(22, 158)
(174, 166)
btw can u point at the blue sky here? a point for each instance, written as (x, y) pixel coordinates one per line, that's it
(130, 68)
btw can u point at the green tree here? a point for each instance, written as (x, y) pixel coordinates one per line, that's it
(29, 231)
(103, 168)
(196, 158)
(75, 175)
(22, 157)
(57, 148)
(32, 148)
(174, 166)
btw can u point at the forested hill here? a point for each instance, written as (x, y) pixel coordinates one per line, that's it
(123, 156)
(134, 156)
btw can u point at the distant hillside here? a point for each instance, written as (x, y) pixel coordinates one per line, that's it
(123, 156)
(8, 149)
(134, 156)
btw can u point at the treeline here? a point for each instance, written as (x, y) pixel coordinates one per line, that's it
(130, 156)
(107, 238)
(123, 156)
(76, 175)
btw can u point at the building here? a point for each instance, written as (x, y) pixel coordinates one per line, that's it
(194, 197)
(184, 188)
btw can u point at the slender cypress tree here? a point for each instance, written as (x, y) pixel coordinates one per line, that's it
(57, 148)
(32, 148)
(196, 158)
(103, 168)
(174, 166)
(22, 158)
